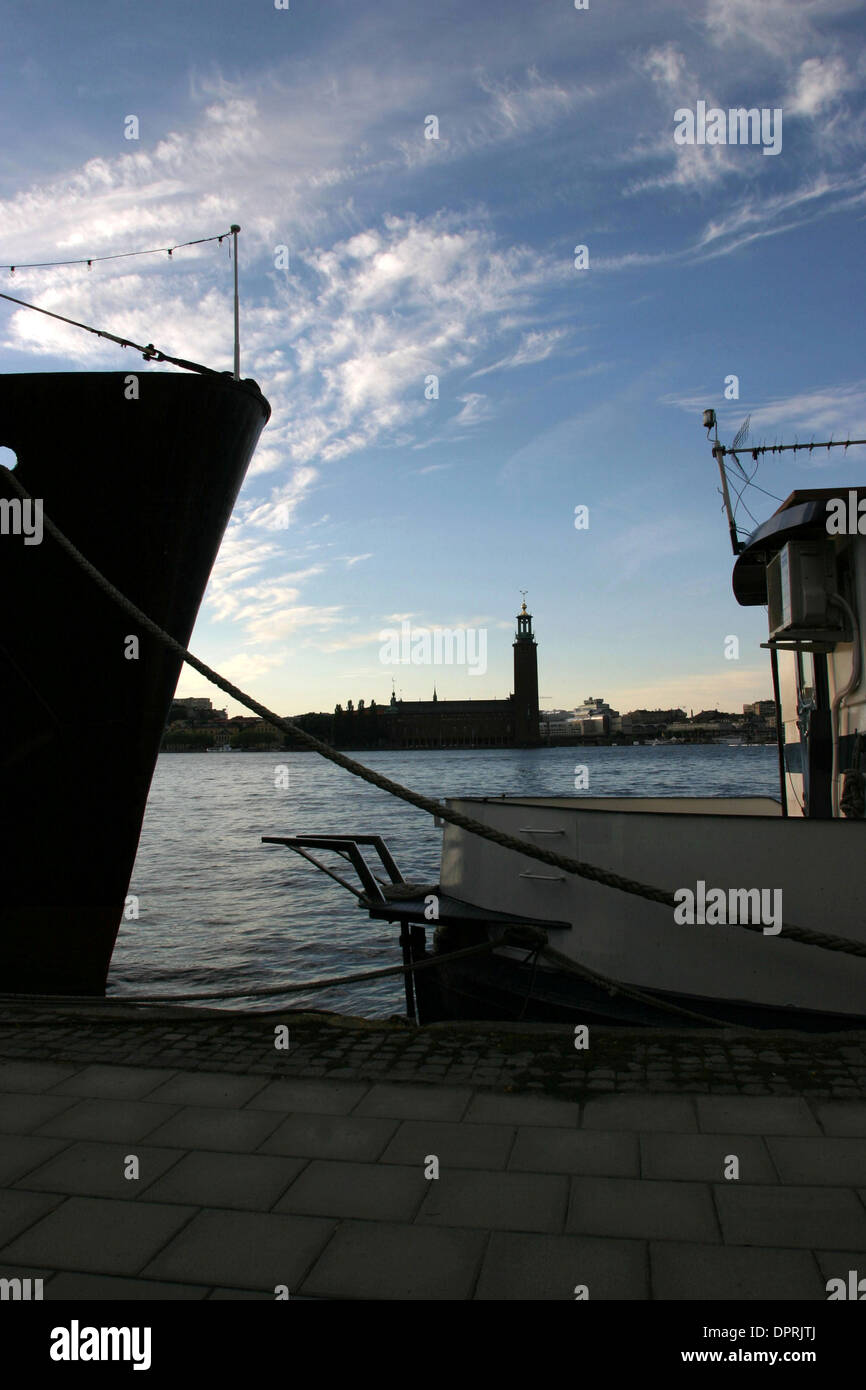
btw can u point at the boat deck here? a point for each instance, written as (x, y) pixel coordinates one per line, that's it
(305, 1168)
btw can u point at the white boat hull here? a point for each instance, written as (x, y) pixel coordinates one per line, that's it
(737, 843)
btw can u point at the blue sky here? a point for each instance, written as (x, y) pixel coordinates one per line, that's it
(454, 256)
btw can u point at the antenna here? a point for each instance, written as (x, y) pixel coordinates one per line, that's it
(711, 423)
(720, 453)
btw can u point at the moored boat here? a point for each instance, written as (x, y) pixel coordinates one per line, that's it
(741, 870)
(144, 488)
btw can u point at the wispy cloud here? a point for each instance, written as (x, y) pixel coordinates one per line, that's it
(535, 346)
(835, 411)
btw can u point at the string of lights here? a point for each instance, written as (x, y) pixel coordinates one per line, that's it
(149, 352)
(91, 261)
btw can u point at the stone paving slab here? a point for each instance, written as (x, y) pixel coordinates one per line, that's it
(331, 1136)
(497, 1201)
(841, 1117)
(704, 1157)
(19, 1153)
(487, 1108)
(455, 1145)
(245, 1182)
(96, 1234)
(109, 1082)
(387, 1260)
(102, 1288)
(34, 1077)
(207, 1088)
(839, 1162)
(310, 1097)
(363, 1190)
(643, 1210)
(736, 1115)
(683, 1271)
(18, 1210)
(836, 1264)
(545, 1149)
(539, 1267)
(638, 1112)
(97, 1170)
(415, 1102)
(800, 1216)
(124, 1120)
(250, 1249)
(215, 1127)
(20, 1113)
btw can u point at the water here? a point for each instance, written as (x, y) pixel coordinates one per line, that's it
(218, 910)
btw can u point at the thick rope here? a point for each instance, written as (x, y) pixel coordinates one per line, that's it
(148, 352)
(423, 803)
(270, 992)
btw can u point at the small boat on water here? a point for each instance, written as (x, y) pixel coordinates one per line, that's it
(738, 867)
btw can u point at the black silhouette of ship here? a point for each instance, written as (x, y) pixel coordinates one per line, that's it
(144, 488)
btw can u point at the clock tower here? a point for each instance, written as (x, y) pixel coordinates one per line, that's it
(526, 732)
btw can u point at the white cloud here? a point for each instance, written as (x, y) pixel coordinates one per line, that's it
(666, 66)
(538, 101)
(779, 27)
(535, 346)
(476, 408)
(819, 83)
(754, 218)
(835, 411)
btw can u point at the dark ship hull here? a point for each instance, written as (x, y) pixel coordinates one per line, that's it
(144, 488)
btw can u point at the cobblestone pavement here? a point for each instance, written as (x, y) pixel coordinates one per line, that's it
(532, 1058)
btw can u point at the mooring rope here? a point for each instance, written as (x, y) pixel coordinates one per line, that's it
(270, 992)
(591, 872)
(148, 351)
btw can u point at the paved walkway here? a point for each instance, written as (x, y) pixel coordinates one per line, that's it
(324, 1184)
(527, 1058)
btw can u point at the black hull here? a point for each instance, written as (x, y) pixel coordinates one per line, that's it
(144, 488)
(506, 990)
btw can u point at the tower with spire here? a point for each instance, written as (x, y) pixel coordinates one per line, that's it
(526, 731)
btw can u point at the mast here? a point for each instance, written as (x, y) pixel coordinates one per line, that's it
(234, 229)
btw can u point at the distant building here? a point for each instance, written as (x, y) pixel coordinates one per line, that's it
(435, 723)
(594, 709)
(649, 723)
(195, 702)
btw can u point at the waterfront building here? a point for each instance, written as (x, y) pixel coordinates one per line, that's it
(438, 723)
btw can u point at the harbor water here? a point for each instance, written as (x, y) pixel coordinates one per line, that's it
(220, 911)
